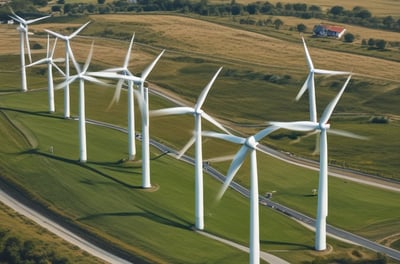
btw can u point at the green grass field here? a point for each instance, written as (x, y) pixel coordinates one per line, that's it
(104, 195)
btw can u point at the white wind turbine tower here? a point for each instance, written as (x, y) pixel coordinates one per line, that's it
(131, 105)
(323, 127)
(248, 145)
(50, 61)
(82, 75)
(198, 113)
(144, 107)
(68, 53)
(23, 30)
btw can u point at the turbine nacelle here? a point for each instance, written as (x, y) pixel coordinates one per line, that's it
(251, 142)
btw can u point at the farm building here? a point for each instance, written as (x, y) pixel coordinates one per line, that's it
(328, 31)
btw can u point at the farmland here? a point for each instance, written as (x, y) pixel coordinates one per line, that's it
(242, 96)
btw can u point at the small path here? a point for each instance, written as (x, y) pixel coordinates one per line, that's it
(263, 255)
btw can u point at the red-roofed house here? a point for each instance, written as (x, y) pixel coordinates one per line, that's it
(328, 31)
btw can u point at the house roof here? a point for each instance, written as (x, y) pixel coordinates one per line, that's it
(337, 29)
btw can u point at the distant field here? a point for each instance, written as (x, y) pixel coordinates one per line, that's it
(378, 8)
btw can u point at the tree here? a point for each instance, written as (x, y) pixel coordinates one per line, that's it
(100, 2)
(348, 37)
(301, 27)
(371, 42)
(56, 8)
(278, 23)
(380, 44)
(336, 10)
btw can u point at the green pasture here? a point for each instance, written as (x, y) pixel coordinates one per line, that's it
(136, 218)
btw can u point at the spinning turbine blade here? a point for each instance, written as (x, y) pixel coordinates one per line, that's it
(230, 138)
(296, 126)
(263, 133)
(214, 122)
(89, 58)
(233, 169)
(308, 57)
(172, 111)
(186, 147)
(346, 134)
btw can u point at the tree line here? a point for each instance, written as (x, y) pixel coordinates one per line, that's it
(357, 15)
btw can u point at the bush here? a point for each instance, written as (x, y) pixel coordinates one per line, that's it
(348, 37)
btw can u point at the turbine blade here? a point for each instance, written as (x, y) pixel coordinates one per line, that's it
(141, 103)
(308, 57)
(331, 106)
(58, 68)
(230, 138)
(71, 54)
(186, 147)
(114, 75)
(41, 61)
(76, 32)
(147, 71)
(94, 80)
(117, 94)
(265, 132)
(304, 87)
(54, 47)
(296, 126)
(214, 122)
(172, 111)
(117, 69)
(37, 19)
(89, 58)
(329, 72)
(346, 134)
(220, 159)
(128, 54)
(66, 82)
(233, 169)
(57, 35)
(203, 95)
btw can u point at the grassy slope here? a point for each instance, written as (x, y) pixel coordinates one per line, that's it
(15, 225)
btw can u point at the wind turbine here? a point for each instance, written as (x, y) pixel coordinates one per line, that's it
(309, 84)
(131, 105)
(144, 107)
(198, 113)
(323, 127)
(68, 53)
(23, 30)
(50, 63)
(249, 145)
(82, 75)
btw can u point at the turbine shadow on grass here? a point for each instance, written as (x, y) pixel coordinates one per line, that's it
(37, 113)
(75, 162)
(145, 214)
(299, 246)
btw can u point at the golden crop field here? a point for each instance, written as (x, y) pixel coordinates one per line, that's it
(224, 43)
(377, 7)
